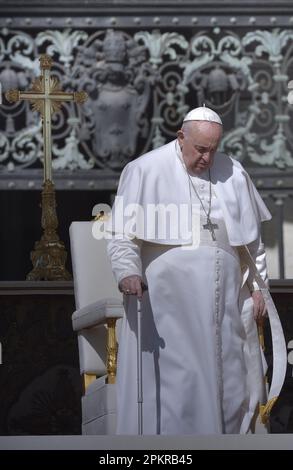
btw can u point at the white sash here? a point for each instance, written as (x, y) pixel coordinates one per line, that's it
(278, 340)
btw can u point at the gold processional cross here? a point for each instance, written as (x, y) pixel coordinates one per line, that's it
(49, 255)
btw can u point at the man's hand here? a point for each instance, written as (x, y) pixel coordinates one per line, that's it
(132, 285)
(259, 307)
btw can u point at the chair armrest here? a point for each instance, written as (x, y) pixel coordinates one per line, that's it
(89, 322)
(97, 313)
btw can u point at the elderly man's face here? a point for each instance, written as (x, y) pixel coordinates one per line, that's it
(199, 141)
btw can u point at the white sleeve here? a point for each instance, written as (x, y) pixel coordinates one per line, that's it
(125, 257)
(258, 254)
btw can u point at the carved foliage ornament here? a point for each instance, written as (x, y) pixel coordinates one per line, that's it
(140, 87)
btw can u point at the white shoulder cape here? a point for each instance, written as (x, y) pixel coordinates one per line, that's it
(158, 177)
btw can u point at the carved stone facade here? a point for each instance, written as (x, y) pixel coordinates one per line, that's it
(143, 73)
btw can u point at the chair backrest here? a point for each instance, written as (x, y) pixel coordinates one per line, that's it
(92, 273)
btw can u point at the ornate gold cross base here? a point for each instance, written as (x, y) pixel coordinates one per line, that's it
(49, 255)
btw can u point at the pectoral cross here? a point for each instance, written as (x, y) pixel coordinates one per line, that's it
(46, 96)
(211, 227)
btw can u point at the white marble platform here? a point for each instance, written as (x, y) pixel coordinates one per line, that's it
(222, 442)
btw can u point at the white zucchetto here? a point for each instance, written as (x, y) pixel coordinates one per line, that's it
(203, 114)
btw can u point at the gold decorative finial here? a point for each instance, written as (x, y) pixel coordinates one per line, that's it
(102, 216)
(46, 62)
(12, 96)
(80, 97)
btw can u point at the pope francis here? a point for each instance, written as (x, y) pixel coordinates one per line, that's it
(202, 367)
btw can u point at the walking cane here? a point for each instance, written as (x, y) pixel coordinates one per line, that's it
(139, 369)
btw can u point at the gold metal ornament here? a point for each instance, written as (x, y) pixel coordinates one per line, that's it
(49, 254)
(12, 96)
(265, 410)
(46, 97)
(112, 350)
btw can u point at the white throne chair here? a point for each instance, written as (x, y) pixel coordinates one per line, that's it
(98, 307)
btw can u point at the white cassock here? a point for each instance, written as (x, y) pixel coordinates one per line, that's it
(202, 365)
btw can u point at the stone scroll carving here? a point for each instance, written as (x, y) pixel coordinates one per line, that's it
(141, 83)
